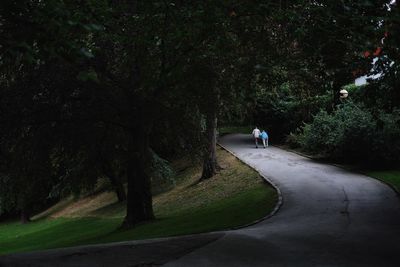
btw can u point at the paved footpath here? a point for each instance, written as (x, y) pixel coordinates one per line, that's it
(329, 217)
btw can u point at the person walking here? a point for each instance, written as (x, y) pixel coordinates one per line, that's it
(264, 137)
(256, 134)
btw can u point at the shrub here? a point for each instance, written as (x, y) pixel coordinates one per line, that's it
(353, 134)
(357, 131)
(161, 175)
(386, 144)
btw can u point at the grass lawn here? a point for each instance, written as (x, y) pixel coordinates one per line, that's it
(390, 176)
(236, 196)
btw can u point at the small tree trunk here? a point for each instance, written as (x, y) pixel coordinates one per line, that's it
(25, 217)
(115, 180)
(210, 165)
(118, 187)
(139, 199)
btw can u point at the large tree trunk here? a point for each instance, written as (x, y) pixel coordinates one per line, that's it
(210, 165)
(139, 199)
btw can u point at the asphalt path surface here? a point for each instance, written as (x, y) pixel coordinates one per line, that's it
(329, 217)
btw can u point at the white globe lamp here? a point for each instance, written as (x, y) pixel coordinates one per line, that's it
(343, 94)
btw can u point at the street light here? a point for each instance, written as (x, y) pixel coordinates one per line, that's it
(343, 94)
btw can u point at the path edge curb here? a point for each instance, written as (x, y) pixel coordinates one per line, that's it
(279, 203)
(397, 192)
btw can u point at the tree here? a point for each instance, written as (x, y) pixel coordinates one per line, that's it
(39, 87)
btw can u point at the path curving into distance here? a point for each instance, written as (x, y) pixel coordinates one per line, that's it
(329, 217)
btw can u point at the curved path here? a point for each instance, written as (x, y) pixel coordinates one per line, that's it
(329, 217)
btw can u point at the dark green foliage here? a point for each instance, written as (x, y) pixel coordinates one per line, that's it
(365, 127)
(162, 177)
(353, 134)
(89, 88)
(387, 140)
(281, 111)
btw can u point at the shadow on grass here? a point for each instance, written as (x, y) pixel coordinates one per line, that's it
(113, 210)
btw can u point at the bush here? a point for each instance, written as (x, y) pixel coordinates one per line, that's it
(357, 132)
(321, 136)
(386, 145)
(353, 134)
(162, 175)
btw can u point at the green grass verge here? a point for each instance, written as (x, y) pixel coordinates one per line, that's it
(45, 234)
(243, 208)
(391, 177)
(235, 196)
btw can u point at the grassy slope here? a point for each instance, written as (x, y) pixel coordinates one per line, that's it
(390, 176)
(234, 197)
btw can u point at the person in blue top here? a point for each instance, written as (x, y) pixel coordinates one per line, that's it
(264, 137)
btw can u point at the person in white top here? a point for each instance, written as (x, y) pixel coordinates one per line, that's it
(256, 135)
